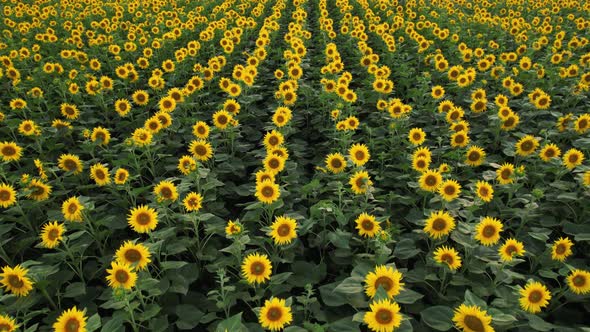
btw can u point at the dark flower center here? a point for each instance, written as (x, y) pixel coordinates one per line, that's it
(383, 316)
(132, 255)
(121, 276)
(474, 323)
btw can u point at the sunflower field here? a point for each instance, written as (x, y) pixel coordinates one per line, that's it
(295, 165)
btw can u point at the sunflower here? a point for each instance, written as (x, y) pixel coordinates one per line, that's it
(256, 268)
(422, 151)
(51, 234)
(582, 124)
(143, 219)
(367, 225)
(142, 137)
(15, 280)
(136, 255)
(153, 125)
(459, 139)
(437, 92)
(511, 248)
(460, 126)
(572, 158)
(283, 230)
(439, 224)
(231, 106)
(121, 275)
(201, 150)
(449, 256)
(384, 316)
(475, 156)
(100, 135)
(100, 174)
(222, 119)
(164, 118)
(561, 249)
(549, 151)
(505, 173)
(579, 281)
(421, 163)
(70, 163)
(167, 104)
(275, 314)
(69, 111)
(264, 175)
(274, 164)
(472, 319)
(267, 191)
(534, 296)
(39, 191)
(28, 128)
(484, 191)
(123, 107)
(233, 228)
(510, 122)
(416, 136)
(526, 145)
(7, 324)
(193, 202)
(186, 165)
(273, 139)
(360, 182)
(430, 180)
(201, 130)
(121, 176)
(72, 209)
(586, 178)
(386, 277)
(359, 154)
(71, 320)
(335, 162)
(140, 97)
(449, 190)
(488, 231)
(166, 191)
(7, 195)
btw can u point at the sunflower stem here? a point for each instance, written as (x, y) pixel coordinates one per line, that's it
(51, 302)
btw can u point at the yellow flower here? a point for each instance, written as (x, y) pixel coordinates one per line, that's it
(39, 191)
(267, 191)
(7, 324)
(15, 280)
(586, 178)
(193, 202)
(222, 119)
(526, 145)
(448, 256)
(28, 128)
(201, 130)
(71, 320)
(439, 224)
(488, 231)
(133, 254)
(534, 296)
(274, 164)
(121, 176)
(122, 106)
(459, 139)
(484, 191)
(166, 191)
(505, 173)
(384, 316)
(472, 319)
(579, 281)
(416, 136)
(273, 139)
(143, 219)
(561, 249)
(430, 180)
(201, 150)
(511, 248)
(335, 162)
(100, 174)
(100, 134)
(283, 230)
(72, 209)
(233, 228)
(367, 225)
(51, 234)
(549, 151)
(386, 277)
(475, 156)
(256, 268)
(140, 97)
(275, 314)
(449, 190)
(7, 195)
(359, 154)
(142, 137)
(572, 158)
(70, 163)
(121, 275)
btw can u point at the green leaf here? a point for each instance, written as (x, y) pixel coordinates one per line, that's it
(75, 289)
(405, 248)
(114, 324)
(172, 265)
(350, 285)
(438, 317)
(234, 323)
(408, 296)
(539, 324)
(472, 299)
(93, 323)
(188, 316)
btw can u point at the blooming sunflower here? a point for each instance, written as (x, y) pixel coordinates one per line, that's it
(579, 281)
(153, 125)
(582, 124)
(134, 254)
(256, 268)
(7, 195)
(140, 97)
(273, 139)
(430, 180)
(475, 156)
(367, 225)
(167, 104)
(472, 319)
(51, 234)
(421, 163)
(142, 137)
(222, 119)
(267, 191)
(586, 178)
(386, 277)
(201, 130)
(38, 190)
(534, 296)
(449, 190)
(143, 219)
(69, 111)
(384, 316)
(123, 107)
(70, 163)
(572, 158)
(100, 135)
(439, 224)
(360, 182)
(186, 165)
(504, 174)
(193, 202)
(121, 275)
(459, 139)
(416, 136)
(561, 249)
(121, 176)
(15, 280)
(231, 106)
(233, 228)
(335, 162)
(7, 324)
(201, 150)
(283, 230)
(488, 231)
(422, 151)
(166, 191)
(359, 154)
(275, 314)
(71, 320)
(72, 209)
(28, 128)
(274, 164)
(484, 191)
(449, 256)
(549, 151)
(511, 248)
(526, 145)
(100, 174)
